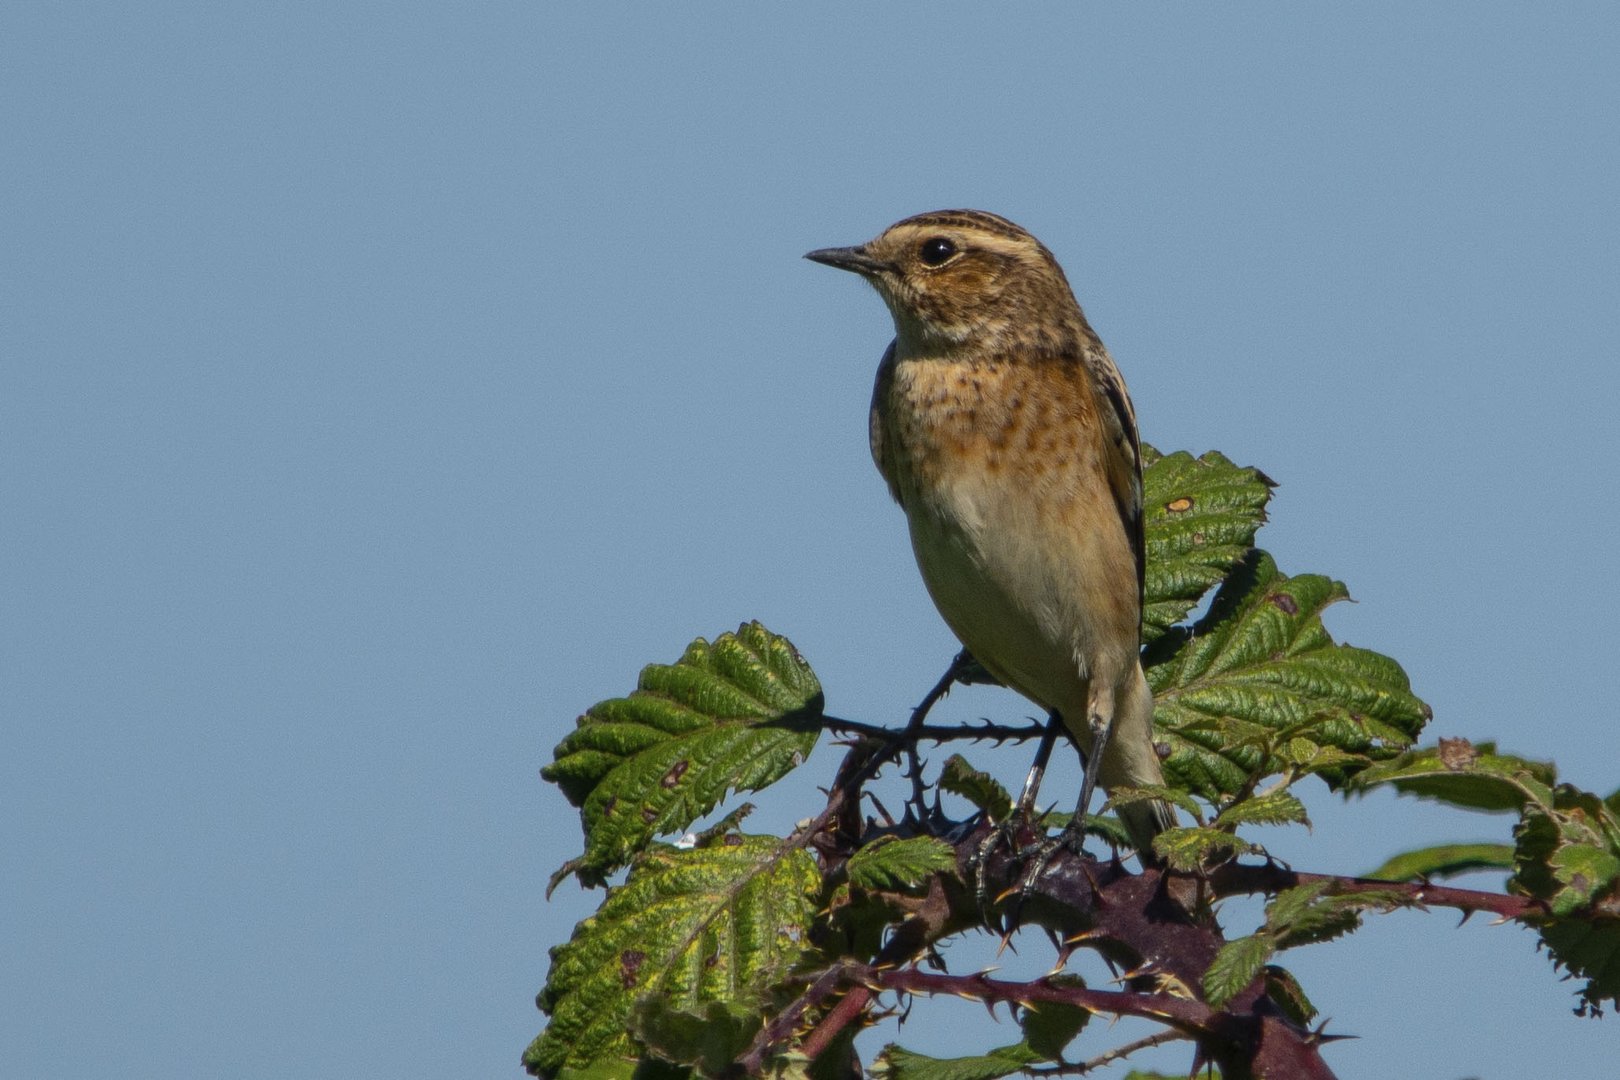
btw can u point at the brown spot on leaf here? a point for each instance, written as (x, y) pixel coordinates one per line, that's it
(1179, 506)
(1285, 603)
(1457, 754)
(676, 771)
(731, 840)
(649, 815)
(1199, 538)
(607, 807)
(630, 962)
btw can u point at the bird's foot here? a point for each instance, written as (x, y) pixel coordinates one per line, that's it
(1030, 862)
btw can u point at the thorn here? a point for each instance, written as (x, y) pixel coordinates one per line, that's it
(1146, 968)
(1320, 1035)
(1173, 986)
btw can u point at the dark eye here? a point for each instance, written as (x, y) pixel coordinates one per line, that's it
(936, 250)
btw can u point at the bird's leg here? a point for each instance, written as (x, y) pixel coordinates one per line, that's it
(1037, 769)
(1004, 832)
(1100, 719)
(1075, 832)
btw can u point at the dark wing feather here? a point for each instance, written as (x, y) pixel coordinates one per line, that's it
(880, 446)
(1125, 470)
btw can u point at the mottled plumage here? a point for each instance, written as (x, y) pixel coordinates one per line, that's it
(1006, 434)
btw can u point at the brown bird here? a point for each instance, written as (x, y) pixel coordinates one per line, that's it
(1005, 433)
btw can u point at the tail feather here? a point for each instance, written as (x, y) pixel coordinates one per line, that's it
(1136, 764)
(1144, 821)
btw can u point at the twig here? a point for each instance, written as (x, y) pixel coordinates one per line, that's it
(1118, 1053)
(1243, 878)
(784, 1023)
(843, 1014)
(978, 732)
(1185, 1014)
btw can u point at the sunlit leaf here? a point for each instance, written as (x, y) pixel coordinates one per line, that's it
(1278, 808)
(1200, 516)
(1236, 966)
(734, 715)
(1443, 861)
(1463, 774)
(719, 923)
(1193, 848)
(1261, 659)
(898, 1063)
(892, 864)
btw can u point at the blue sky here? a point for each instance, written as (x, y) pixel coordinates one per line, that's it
(382, 385)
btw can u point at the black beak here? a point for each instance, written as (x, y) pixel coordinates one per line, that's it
(848, 258)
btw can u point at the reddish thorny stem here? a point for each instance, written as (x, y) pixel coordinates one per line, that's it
(1141, 920)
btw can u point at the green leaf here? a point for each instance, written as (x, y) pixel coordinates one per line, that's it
(1590, 950)
(616, 1070)
(1127, 796)
(1105, 827)
(1049, 1026)
(1567, 854)
(979, 788)
(1236, 966)
(898, 1063)
(888, 863)
(1293, 905)
(1586, 871)
(1286, 993)
(1462, 774)
(1278, 808)
(1195, 848)
(1566, 851)
(708, 1038)
(1260, 661)
(1307, 914)
(1443, 861)
(1200, 516)
(1311, 913)
(721, 923)
(734, 715)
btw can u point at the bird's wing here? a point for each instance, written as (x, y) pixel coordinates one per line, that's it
(1125, 462)
(880, 448)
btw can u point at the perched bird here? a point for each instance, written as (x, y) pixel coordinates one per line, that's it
(1005, 434)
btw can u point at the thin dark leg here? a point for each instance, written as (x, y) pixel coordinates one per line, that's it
(1073, 836)
(1037, 771)
(1077, 827)
(1006, 831)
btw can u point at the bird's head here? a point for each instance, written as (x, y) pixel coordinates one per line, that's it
(955, 278)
